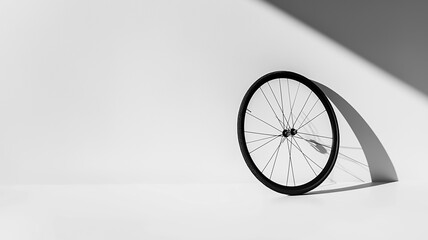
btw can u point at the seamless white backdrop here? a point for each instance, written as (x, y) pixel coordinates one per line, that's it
(148, 91)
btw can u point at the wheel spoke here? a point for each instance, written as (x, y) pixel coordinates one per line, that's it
(289, 160)
(260, 133)
(282, 104)
(263, 121)
(302, 108)
(276, 100)
(274, 162)
(311, 119)
(261, 139)
(294, 101)
(315, 135)
(346, 157)
(277, 149)
(265, 143)
(310, 140)
(290, 164)
(309, 112)
(304, 156)
(276, 116)
(289, 98)
(292, 168)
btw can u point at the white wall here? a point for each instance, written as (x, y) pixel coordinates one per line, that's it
(148, 91)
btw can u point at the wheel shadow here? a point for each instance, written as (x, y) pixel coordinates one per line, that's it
(349, 188)
(380, 165)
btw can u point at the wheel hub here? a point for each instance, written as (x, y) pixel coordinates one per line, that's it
(289, 132)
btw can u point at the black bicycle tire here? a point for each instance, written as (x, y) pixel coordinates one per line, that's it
(289, 190)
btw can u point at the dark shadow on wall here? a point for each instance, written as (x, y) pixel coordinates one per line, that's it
(392, 34)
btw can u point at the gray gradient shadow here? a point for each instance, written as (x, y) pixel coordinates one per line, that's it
(360, 186)
(380, 165)
(392, 34)
(381, 169)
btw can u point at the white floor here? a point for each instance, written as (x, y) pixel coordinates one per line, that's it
(210, 211)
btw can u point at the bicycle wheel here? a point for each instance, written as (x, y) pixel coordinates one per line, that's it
(288, 132)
